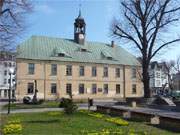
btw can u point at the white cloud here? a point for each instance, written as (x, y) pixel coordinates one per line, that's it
(44, 8)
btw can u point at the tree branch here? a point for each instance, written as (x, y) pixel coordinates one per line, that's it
(163, 45)
(126, 7)
(134, 26)
(128, 36)
(158, 21)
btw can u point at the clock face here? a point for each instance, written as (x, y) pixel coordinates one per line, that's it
(81, 36)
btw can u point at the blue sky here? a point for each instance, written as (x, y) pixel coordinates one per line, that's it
(55, 18)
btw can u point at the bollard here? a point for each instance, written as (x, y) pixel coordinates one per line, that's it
(127, 115)
(155, 120)
(134, 104)
(90, 103)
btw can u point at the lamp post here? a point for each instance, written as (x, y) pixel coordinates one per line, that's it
(35, 93)
(11, 71)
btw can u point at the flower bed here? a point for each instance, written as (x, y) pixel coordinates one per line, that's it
(13, 127)
(118, 121)
(97, 115)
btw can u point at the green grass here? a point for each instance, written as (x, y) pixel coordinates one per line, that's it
(62, 124)
(46, 104)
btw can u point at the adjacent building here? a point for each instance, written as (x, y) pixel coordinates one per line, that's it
(77, 66)
(176, 81)
(7, 62)
(158, 76)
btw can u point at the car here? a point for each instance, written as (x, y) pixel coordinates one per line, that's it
(27, 100)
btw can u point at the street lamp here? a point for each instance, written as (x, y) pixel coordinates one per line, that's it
(11, 71)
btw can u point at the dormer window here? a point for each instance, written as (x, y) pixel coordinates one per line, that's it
(109, 58)
(61, 54)
(83, 50)
(107, 55)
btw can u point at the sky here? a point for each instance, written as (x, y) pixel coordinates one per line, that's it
(55, 18)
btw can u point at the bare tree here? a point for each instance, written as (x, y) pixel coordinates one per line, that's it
(12, 14)
(173, 67)
(169, 73)
(143, 23)
(177, 65)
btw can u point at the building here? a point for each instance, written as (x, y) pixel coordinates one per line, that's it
(158, 76)
(7, 61)
(82, 68)
(176, 81)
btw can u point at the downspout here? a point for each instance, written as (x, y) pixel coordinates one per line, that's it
(124, 82)
(44, 81)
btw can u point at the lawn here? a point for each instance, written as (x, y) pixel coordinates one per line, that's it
(46, 104)
(58, 123)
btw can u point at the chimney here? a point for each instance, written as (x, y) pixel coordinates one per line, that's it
(112, 44)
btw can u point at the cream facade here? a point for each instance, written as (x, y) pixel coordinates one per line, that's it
(82, 68)
(45, 79)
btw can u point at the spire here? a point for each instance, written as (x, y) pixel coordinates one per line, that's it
(79, 16)
(79, 28)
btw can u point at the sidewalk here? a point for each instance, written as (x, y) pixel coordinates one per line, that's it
(41, 110)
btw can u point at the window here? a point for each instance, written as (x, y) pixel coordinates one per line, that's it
(14, 64)
(53, 69)
(105, 72)
(5, 72)
(94, 71)
(13, 80)
(105, 88)
(158, 75)
(30, 88)
(9, 81)
(68, 88)
(83, 50)
(81, 71)
(158, 83)
(5, 81)
(109, 58)
(68, 70)
(5, 64)
(10, 64)
(53, 88)
(31, 68)
(5, 93)
(118, 88)
(81, 88)
(61, 54)
(94, 88)
(134, 89)
(117, 72)
(133, 72)
(13, 93)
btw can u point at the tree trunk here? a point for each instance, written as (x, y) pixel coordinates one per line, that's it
(145, 74)
(170, 82)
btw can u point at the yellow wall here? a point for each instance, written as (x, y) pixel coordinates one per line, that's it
(44, 80)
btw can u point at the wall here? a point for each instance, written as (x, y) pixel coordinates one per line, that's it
(44, 80)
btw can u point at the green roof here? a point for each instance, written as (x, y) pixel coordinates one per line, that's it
(47, 48)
